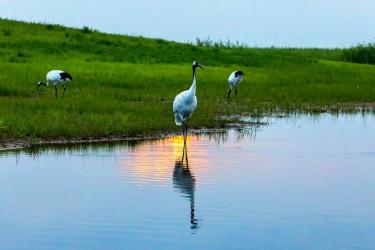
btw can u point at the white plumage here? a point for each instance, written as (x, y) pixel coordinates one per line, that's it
(234, 80)
(185, 103)
(56, 77)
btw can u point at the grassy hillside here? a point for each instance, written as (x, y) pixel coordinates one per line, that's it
(125, 85)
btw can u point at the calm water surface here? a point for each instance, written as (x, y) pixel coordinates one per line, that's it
(300, 183)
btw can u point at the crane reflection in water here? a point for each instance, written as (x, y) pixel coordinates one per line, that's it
(184, 181)
(165, 163)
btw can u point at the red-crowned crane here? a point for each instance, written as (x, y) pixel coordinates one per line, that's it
(56, 77)
(234, 80)
(185, 103)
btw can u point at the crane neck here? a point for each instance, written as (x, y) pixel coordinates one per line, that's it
(194, 84)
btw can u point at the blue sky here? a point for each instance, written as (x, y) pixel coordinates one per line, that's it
(292, 23)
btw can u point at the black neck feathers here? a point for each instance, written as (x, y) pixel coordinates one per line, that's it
(194, 69)
(238, 73)
(65, 76)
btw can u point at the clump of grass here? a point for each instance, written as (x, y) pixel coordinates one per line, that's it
(160, 41)
(56, 27)
(208, 43)
(362, 53)
(87, 30)
(50, 27)
(105, 42)
(14, 59)
(21, 54)
(7, 32)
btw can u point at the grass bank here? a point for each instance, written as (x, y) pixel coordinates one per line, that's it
(125, 85)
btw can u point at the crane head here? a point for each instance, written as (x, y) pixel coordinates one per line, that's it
(197, 64)
(239, 73)
(40, 84)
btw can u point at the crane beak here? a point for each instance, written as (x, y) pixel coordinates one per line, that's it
(200, 66)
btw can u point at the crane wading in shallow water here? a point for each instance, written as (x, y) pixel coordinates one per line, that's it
(56, 77)
(234, 80)
(185, 103)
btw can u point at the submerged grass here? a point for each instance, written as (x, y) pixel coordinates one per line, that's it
(125, 85)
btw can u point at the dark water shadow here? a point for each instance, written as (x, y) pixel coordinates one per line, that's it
(220, 136)
(61, 149)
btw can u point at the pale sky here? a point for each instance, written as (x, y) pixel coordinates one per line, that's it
(288, 23)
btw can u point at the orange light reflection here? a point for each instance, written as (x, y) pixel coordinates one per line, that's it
(154, 162)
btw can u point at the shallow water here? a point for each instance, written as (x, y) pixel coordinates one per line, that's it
(299, 183)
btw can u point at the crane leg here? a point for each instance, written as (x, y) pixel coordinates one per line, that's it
(183, 155)
(55, 92)
(183, 150)
(229, 91)
(186, 154)
(63, 92)
(236, 91)
(184, 132)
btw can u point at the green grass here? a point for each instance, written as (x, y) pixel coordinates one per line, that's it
(362, 53)
(125, 85)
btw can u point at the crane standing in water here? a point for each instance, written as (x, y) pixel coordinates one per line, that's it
(56, 77)
(185, 103)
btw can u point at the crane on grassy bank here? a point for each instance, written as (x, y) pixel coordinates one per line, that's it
(234, 80)
(56, 77)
